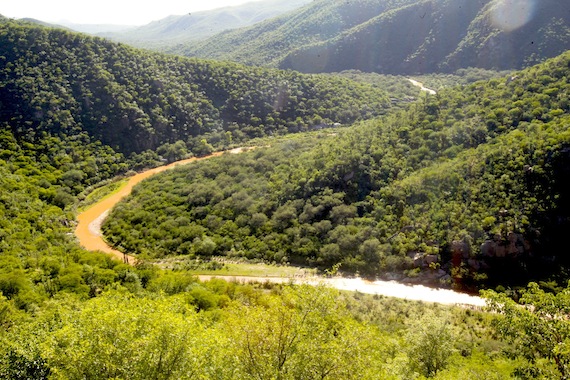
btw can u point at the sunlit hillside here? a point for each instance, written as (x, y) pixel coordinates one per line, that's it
(457, 181)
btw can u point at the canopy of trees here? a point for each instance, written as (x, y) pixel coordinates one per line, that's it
(57, 82)
(473, 175)
(484, 164)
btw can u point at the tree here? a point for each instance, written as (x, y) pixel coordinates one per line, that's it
(173, 152)
(430, 344)
(111, 337)
(202, 148)
(538, 327)
(304, 333)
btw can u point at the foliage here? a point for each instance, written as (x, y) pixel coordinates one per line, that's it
(539, 329)
(59, 83)
(38, 187)
(430, 345)
(304, 333)
(452, 171)
(474, 175)
(301, 332)
(287, 332)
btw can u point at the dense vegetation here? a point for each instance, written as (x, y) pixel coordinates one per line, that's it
(228, 331)
(461, 184)
(70, 314)
(39, 258)
(367, 35)
(54, 81)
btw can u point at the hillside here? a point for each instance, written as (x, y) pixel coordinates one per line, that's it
(57, 82)
(268, 42)
(453, 190)
(169, 32)
(398, 37)
(485, 159)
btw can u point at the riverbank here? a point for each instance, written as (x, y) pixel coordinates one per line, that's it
(88, 230)
(89, 234)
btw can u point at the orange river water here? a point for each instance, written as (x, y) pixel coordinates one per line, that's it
(88, 232)
(88, 229)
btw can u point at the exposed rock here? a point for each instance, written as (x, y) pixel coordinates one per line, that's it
(445, 280)
(488, 248)
(459, 247)
(417, 259)
(430, 259)
(513, 246)
(474, 264)
(500, 250)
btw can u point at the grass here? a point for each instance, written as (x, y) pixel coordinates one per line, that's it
(100, 193)
(222, 267)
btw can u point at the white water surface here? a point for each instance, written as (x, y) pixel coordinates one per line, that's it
(384, 288)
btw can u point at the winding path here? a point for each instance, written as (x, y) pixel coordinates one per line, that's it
(88, 232)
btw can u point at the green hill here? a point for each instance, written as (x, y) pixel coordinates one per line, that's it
(72, 107)
(454, 189)
(485, 159)
(56, 82)
(399, 37)
(270, 41)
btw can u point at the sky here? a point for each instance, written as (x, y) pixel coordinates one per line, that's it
(121, 12)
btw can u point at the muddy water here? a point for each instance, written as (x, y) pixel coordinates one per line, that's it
(88, 232)
(88, 229)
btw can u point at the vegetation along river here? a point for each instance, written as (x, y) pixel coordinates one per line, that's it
(88, 232)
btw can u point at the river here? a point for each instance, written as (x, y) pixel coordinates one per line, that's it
(421, 86)
(88, 232)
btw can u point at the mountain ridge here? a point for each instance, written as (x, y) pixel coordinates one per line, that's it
(168, 32)
(404, 37)
(57, 82)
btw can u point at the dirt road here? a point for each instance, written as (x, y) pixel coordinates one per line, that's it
(421, 86)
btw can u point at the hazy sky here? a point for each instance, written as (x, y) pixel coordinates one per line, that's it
(123, 12)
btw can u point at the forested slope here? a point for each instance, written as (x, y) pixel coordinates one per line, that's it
(456, 188)
(72, 106)
(177, 29)
(320, 198)
(68, 313)
(54, 81)
(399, 37)
(268, 42)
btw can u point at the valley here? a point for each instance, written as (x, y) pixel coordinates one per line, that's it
(402, 216)
(88, 232)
